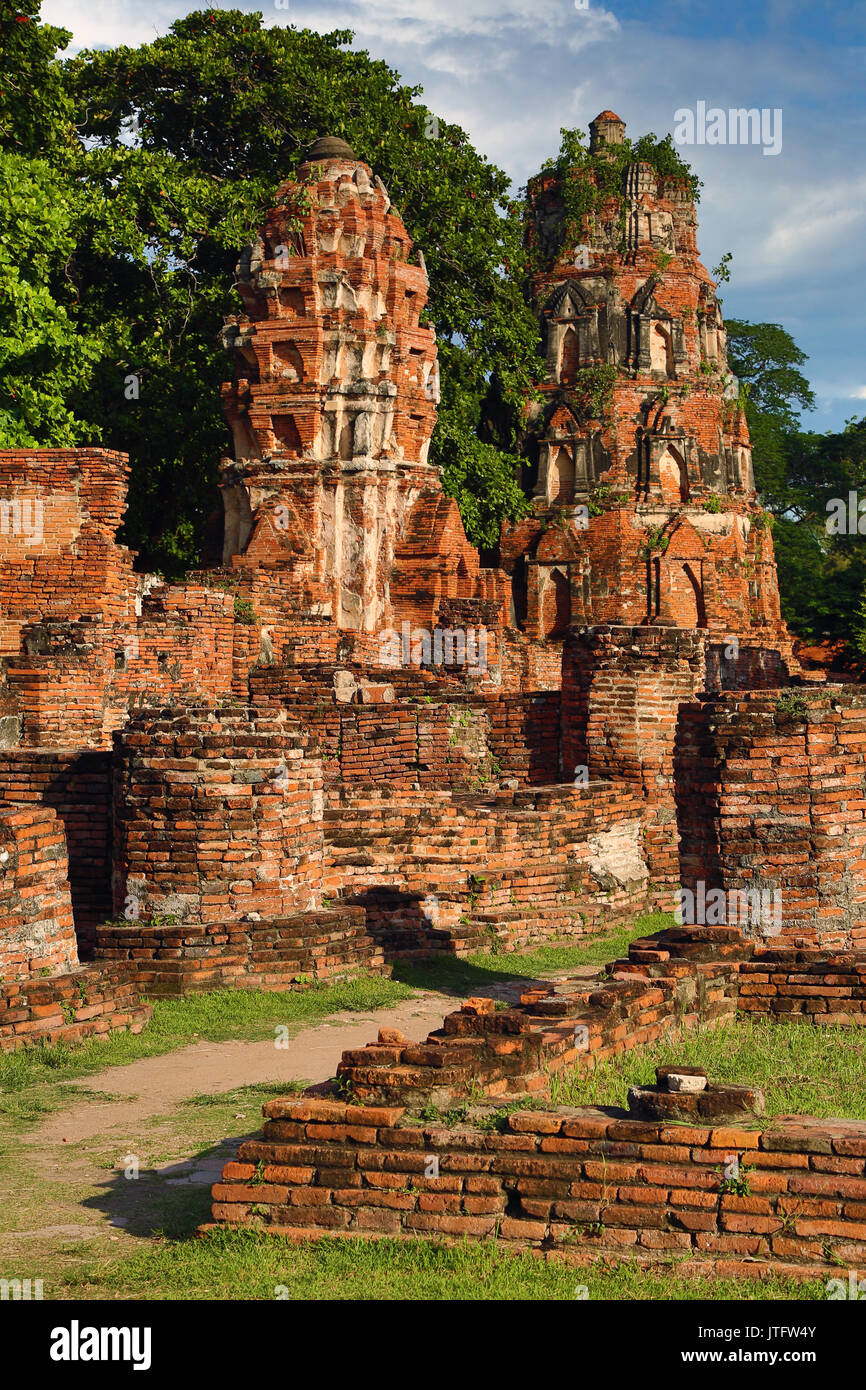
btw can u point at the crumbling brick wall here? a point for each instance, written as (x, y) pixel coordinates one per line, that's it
(275, 953)
(77, 786)
(472, 872)
(769, 787)
(36, 932)
(59, 512)
(623, 688)
(586, 1183)
(217, 815)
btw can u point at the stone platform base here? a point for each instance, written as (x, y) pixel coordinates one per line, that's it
(584, 1183)
(272, 954)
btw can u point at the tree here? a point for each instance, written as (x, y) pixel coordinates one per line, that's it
(35, 108)
(45, 364)
(767, 361)
(799, 474)
(184, 141)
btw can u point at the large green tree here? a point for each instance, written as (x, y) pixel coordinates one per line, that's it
(46, 363)
(175, 153)
(799, 474)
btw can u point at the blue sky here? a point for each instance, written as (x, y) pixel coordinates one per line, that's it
(511, 72)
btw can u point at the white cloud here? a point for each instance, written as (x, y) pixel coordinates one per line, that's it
(110, 23)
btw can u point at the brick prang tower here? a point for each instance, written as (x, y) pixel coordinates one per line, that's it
(338, 383)
(644, 505)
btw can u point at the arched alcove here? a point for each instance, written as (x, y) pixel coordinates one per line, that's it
(288, 361)
(673, 475)
(286, 434)
(686, 597)
(661, 350)
(560, 476)
(519, 591)
(555, 605)
(346, 438)
(568, 358)
(291, 299)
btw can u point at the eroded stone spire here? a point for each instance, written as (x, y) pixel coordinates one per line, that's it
(337, 384)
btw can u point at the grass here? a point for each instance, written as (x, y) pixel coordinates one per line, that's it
(458, 976)
(802, 1069)
(31, 1080)
(246, 1265)
(148, 1254)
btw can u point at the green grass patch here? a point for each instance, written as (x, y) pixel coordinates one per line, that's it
(803, 1069)
(264, 1090)
(246, 1265)
(30, 1080)
(478, 970)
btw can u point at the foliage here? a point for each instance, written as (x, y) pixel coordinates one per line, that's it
(791, 704)
(46, 365)
(244, 611)
(593, 391)
(35, 109)
(722, 271)
(798, 473)
(588, 180)
(184, 141)
(481, 478)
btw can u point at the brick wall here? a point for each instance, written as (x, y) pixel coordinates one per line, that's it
(436, 869)
(77, 786)
(71, 1007)
(410, 728)
(278, 953)
(217, 814)
(805, 986)
(36, 933)
(773, 799)
(583, 1183)
(61, 510)
(579, 1182)
(623, 688)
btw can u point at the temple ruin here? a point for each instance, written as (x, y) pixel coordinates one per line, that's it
(350, 742)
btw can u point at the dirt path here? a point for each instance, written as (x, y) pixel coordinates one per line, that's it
(151, 1085)
(67, 1200)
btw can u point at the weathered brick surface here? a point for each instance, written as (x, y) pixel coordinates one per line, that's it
(333, 409)
(277, 953)
(70, 1007)
(77, 786)
(568, 1180)
(774, 800)
(61, 511)
(638, 423)
(36, 932)
(218, 814)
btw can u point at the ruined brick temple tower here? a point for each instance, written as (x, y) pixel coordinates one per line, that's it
(237, 779)
(640, 426)
(336, 398)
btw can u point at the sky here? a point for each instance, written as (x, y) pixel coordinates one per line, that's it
(512, 72)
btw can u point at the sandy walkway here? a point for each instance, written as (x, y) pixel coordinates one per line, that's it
(150, 1086)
